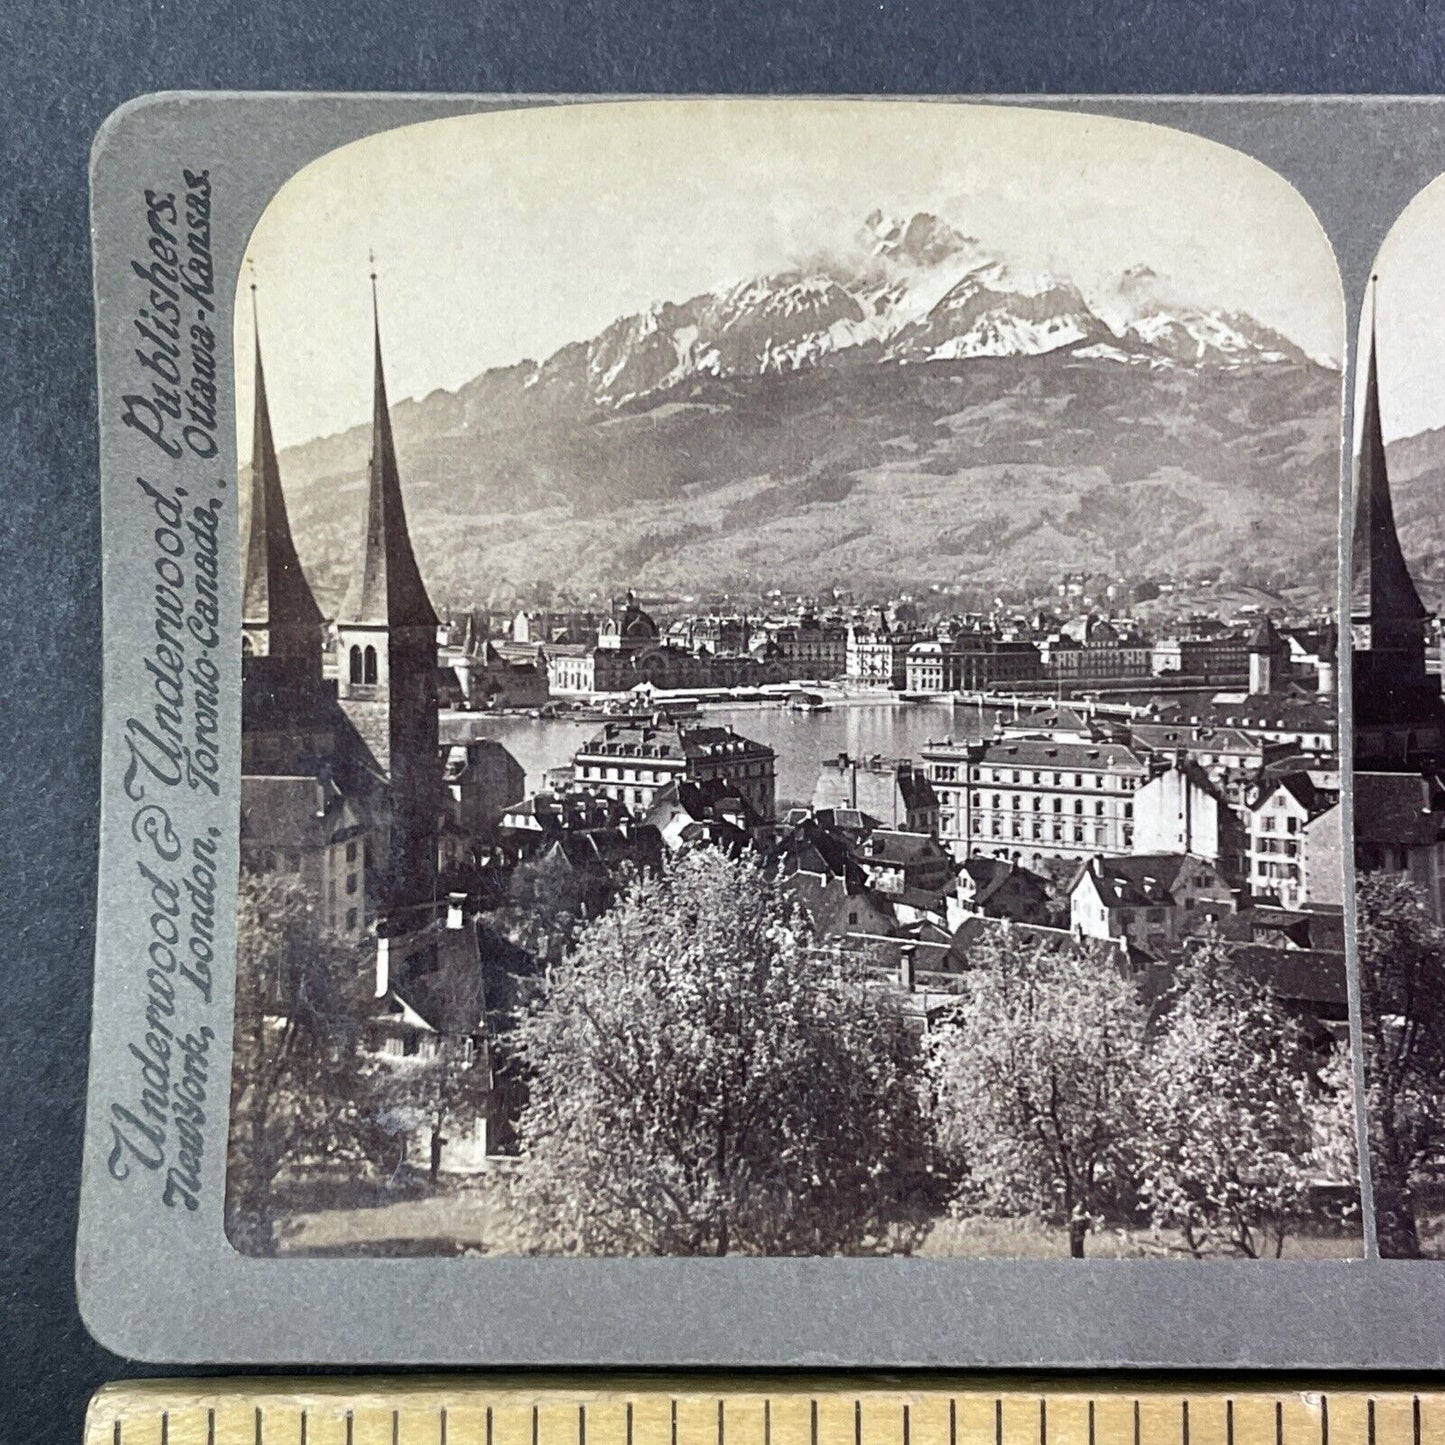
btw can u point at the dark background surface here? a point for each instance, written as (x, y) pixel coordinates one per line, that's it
(65, 66)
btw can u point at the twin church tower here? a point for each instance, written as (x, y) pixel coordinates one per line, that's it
(361, 747)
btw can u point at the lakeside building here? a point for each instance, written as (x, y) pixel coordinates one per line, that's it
(490, 672)
(969, 662)
(1296, 724)
(1033, 799)
(629, 653)
(1216, 659)
(810, 648)
(878, 654)
(633, 762)
(1094, 649)
(482, 780)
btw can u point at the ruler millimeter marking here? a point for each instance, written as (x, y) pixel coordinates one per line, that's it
(931, 1410)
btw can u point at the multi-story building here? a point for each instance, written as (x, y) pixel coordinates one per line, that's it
(483, 780)
(970, 662)
(809, 648)
(1153, 901)
(633, 762)
(307, 829)
(1400, 829)
(498, 674)
(1222, 658)
(879, 654)
(1096, 649)
(1182, 810)
(1279, 821)
(931, 667)
(895, 862)
(1035, 799)
(1295, 723)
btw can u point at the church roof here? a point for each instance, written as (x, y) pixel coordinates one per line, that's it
(387, 590)
(274, 589)
(1381, 587)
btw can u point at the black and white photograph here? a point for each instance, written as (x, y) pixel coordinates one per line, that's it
(1397, 592)
(789, 665)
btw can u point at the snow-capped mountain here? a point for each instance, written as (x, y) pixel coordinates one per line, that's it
(910, 407)
(905, 291)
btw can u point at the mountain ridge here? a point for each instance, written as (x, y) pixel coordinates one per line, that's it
(773, 428)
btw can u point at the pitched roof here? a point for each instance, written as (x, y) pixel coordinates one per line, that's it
(1265, 637)
(1043, 753)
(275, 592)
(842, 820)
(1137, 880)
(989, 875)
(1406, 809)
(1311, 713)
(1299, 975)
(387, 589)
(714, 799)
(891, 845)
(442, 982)
(1301, 787)
(285, 811)
(922, 901)
(975, 930)
(670, 740)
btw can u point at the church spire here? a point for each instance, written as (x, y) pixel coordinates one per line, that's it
(387, 590)
(279, 615)
(1382, 593)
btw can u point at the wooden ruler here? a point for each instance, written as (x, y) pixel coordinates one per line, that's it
(743, 1410)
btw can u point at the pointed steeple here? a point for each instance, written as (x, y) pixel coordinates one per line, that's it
(278, 610)
(387, 590)
(1382, 593)
(1265, 638)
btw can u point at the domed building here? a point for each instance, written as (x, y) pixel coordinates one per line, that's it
(627, 630)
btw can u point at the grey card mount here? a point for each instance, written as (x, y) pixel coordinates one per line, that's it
(731, 736)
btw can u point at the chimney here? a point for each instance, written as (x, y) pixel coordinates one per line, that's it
(383, 966)
(456, 905)
(908, 967)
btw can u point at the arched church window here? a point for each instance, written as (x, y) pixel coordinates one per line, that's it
(356, 664)
(369, 674)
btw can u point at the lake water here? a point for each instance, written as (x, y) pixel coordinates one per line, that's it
(800, 740)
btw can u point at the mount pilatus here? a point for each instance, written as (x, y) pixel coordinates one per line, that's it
(909, 411)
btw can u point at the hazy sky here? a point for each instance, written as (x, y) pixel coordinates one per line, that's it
(1410, 317)
(502, 237)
